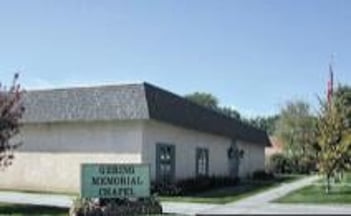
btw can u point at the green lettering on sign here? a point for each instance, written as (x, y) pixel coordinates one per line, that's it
(115, 180)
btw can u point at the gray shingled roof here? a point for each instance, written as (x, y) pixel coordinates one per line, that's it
(86, 104)
(134, 101)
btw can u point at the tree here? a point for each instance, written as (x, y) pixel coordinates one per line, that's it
(295, 128)
(343, 95)
(11, 111)
(204, 99)
(210, 101)
(334, 136)
(228, 111)
(264, 123)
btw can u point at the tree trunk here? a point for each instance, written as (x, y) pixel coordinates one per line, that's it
(327, 188)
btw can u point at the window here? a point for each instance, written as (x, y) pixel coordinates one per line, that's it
(165, 162)
(201, 162)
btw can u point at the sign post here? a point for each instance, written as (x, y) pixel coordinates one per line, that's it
(115, 180)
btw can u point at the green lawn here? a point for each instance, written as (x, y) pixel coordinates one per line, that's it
(21, 210)
(340, 193)
(316, 194)
(231, 194)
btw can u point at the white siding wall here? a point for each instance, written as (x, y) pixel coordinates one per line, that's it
(59, 172)
(52, 153)
(95, 137)
(185, 142)
(253, 158)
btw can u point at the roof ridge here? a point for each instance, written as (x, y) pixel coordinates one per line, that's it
(100, 86)
(203, 107)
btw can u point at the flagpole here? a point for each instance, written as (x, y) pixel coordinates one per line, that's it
(331, 80)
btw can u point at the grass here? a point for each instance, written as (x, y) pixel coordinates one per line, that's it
(22, 210)
(316, 194)
(231, 194)
(340, 193)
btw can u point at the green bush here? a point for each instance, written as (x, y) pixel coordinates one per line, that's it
(262, 175)
(192, 185)
(109, 207)
(163, 188)
(305, 165)
(279, 163)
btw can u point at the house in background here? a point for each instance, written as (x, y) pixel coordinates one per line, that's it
(275, 147)
(136, 123)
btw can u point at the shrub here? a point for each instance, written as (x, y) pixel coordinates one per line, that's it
(262, 175)
(192, 185)
(167, 189)
(306, 165)
(279, 163)
(108, 207)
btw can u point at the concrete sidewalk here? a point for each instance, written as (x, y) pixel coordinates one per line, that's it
(186, 208)
(54, 200)
(275, 193)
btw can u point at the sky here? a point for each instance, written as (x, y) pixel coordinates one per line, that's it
(253, 55)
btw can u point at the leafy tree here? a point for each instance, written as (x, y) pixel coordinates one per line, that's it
(334, 140)
(295, 128)
(264, 123)
(11, 110)
(204, 99)
(228, 111)
(343, 95)
(210, 101)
